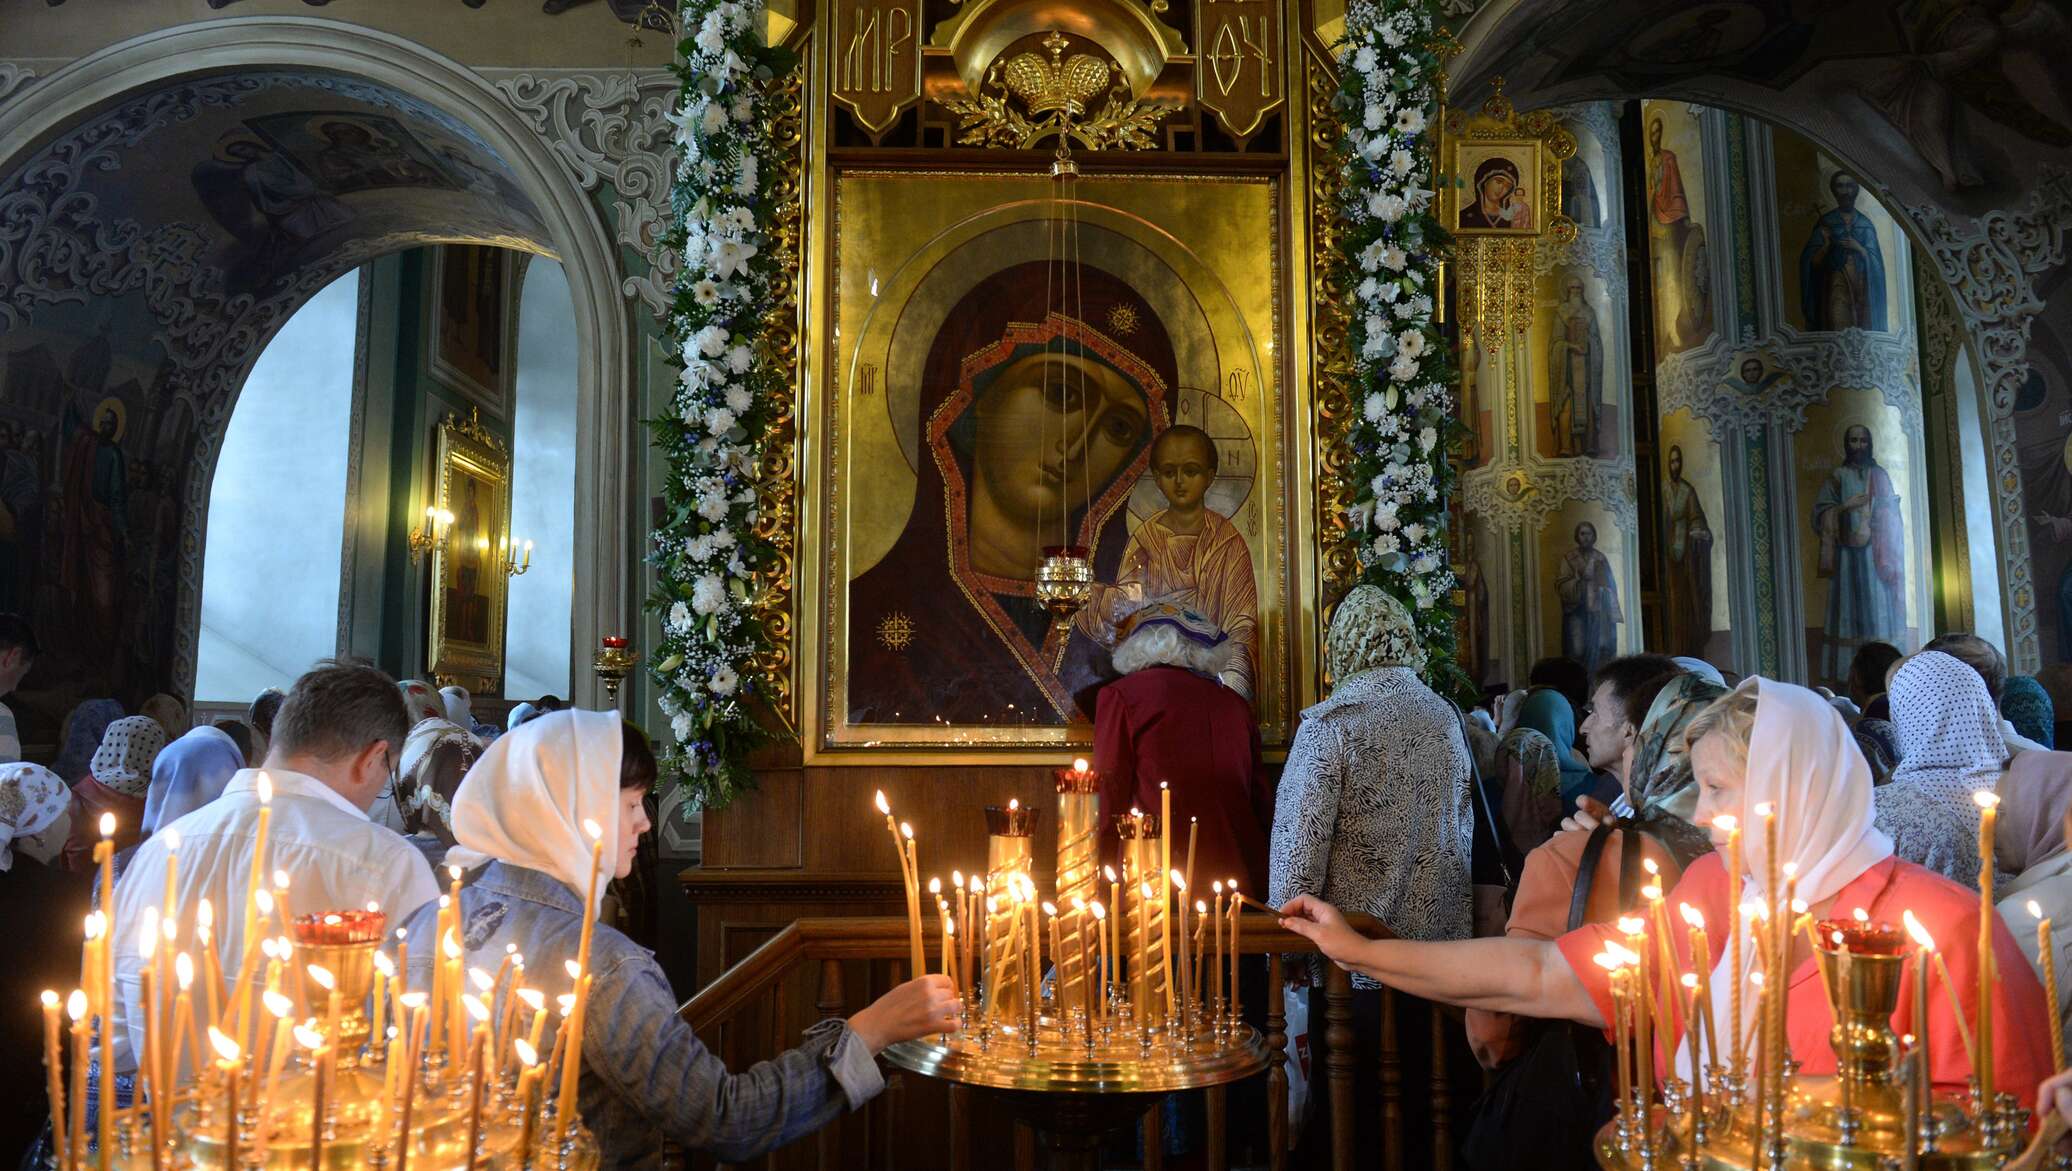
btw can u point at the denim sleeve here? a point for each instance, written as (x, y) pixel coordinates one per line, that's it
(636, 1044)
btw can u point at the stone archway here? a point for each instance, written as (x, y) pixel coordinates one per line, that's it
(1984, 194)
(217, 333)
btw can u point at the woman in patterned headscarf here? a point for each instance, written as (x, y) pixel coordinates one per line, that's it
(44, 904)
(1659, 784)
(2027, 706)
(82, 735)
(1950, 746)
(1373, 811)
(118, 780)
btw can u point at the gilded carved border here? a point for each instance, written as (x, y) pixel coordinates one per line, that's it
(1331, 373)
(777, 518)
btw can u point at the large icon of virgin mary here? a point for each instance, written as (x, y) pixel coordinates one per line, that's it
(1036, 424)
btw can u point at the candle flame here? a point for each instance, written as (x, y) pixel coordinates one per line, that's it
(1632, 925)
(1626, 955)
(1078, 904)
(322, 975)
(280, 880)
(205, 915)
(935, 886)
(957, 879)
(1756, 978)
(75, 1007)
(527, 1055)
(277, 1003)
(309, 1037)
(373, 906)
(1861, 915)
(1109, 873)
(268, 949)
(1906, 1039)
(1149, 891)
(1179, 882)
(1798, 906)
(1100, 912)
(107, 825)
(1651, 892)
(225, 1048)
(480, 979)
(50, 1000)
(992, 904)
(1217, 886)
(450, 945)
(147, 934)
(265, 788)
(949, 925)
(1726, 821)
(2034, 909)
(574, 969)
(1915, 929)
(1766, 810)
(262, 900)
(1986, 798)
(884, 806)
(1200, 907)
(1692, 915)
(1050, 908)
(566, 1002)
(1648, 864)
(595, 830)
(906, 831)
(412, 1000)
(1079, 766)
(183, 970)
(475, 1007)
(534, 998)
(93, 925)
(1606, 960)
(1232, 884)
(383, 964)
(453, 872)
(1791, 869)
(1689, 980)
(171, 838)
(1013, 803)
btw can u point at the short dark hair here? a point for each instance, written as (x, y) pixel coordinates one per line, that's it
(1627, 672)
(338, 708)
(1977, 654)
(1643, 697)
(17, 634)
(1188, 431)
(1565, 675)
(1868, 669)
(637, 769)
(265, 709)
(240, 734)
(548, 703)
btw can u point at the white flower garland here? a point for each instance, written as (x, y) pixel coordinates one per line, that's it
(1391, 248)
(706, 551)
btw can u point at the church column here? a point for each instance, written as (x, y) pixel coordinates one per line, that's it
(1788, 398)
(1553, 566)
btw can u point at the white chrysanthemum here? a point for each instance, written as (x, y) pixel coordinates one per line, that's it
(724, 681)
(1413, 532)
(1388, 208)
(1411, 342)
(719, 420)
(1403, 368)
(1402, 162)
(1394, 258)
(682, 725)
(1371, 116)
(738, 400)
(739, 359)
(1364, 59)
(712, 119)
(708, 593)
(712, 341)
(1373, 408)
(679, 618)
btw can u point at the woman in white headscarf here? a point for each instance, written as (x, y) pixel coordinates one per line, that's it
(436, 756)
(188, 774)
(1765, 746)
(522, 818)
(45, 904)
(1949, 748)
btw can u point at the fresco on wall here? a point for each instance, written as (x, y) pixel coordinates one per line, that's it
(1481, 399)
(1586, 603)
(1694, 586)
(1677, 215)
(1840, 252)
(1480, 572)
(1860, 538)
(1575, 403)
(2043, 438)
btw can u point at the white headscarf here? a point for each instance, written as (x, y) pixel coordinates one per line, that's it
(1949, 747)
(128, 749)
(31, 798)
(459, 707)
(1803, 763)
(525, 801)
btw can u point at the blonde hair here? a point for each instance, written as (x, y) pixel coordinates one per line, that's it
(1732, 715)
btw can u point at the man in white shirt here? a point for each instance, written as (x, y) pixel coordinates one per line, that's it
(335, 745)
(17, 651)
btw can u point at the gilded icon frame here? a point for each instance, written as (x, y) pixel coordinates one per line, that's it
(465, 643)
(1466, 154)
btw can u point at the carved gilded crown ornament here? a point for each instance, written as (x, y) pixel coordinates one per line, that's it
(1033, 96)
(1500, 194)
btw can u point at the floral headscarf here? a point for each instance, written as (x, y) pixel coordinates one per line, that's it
(1369, 630)
(128, 749)
(31, 797)
(83, 731)
(1659, 785)
(423, 702)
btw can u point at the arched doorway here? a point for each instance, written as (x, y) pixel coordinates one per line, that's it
(278, 152)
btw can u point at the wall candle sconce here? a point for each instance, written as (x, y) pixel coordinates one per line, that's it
(517, 559)
(436, 530)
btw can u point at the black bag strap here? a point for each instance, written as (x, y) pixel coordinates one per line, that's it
(1586, 871)
(1488, 817)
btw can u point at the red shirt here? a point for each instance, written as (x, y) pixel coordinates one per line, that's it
(1169, 724)
(2021, 1021)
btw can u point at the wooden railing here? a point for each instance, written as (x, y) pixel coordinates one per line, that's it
(826, 945)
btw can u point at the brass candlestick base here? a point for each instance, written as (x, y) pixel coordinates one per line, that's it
(1812, 1138)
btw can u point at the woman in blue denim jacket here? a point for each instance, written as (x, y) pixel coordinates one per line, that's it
(646, 1077)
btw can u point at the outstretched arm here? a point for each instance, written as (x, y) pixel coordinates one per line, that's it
(1526, 976)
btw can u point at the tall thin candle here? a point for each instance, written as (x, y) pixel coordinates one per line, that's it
(54, 1075)
(1924, 946)
(227, 1066)
(1165, 890)
(2047, 963)
(528, 1097)
(1732, 825)
(75, 1009)
(104, 857)
(917, 965)
(1216, 949)
(248, 939)
(1101, 959)
(1989, 813)
(573, 1063)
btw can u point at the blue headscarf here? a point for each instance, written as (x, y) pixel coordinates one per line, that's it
(83, 731)
(2027, 706)
(1545, 711)
(188, 774)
